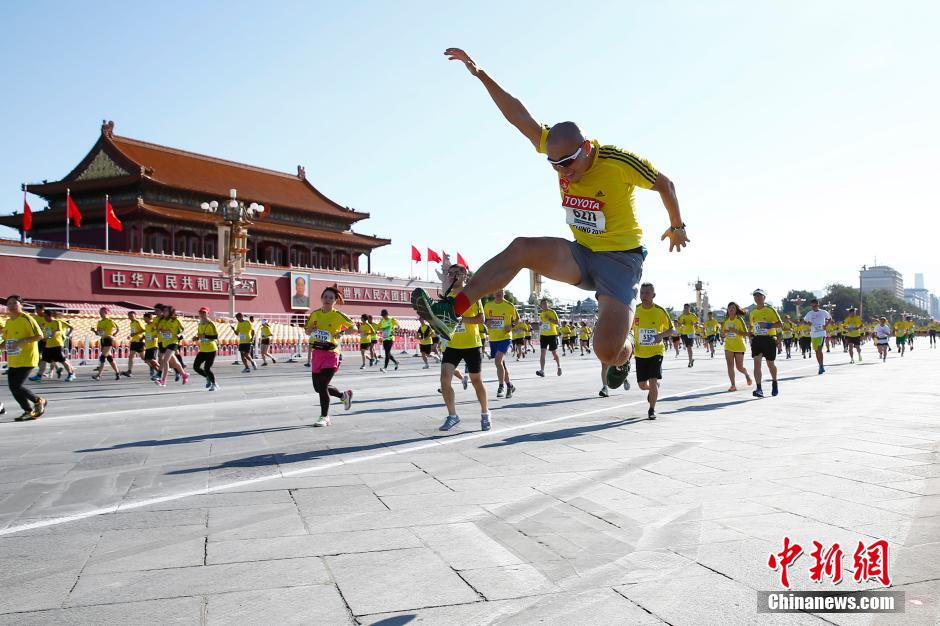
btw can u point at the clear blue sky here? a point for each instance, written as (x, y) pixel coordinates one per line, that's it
(801, 136)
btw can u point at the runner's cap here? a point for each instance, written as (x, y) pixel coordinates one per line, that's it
(759, 292)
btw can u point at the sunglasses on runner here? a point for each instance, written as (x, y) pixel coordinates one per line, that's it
(568, 160)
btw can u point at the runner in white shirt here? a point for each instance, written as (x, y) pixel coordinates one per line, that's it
(881, 334)
(817, 319)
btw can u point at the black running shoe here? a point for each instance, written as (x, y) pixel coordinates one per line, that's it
(758, 393)
(774, 390)
(651, 414)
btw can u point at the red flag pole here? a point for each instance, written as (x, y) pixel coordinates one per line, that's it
(107, 226)
(23, 230)
(68, 220)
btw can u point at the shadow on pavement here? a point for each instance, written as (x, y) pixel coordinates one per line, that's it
(264, 460)
(193, 438)
(710, 407)
(564, 433)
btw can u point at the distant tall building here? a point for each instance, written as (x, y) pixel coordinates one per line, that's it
(917, 297)
(918, 281)
(882, 277)
(934, 307)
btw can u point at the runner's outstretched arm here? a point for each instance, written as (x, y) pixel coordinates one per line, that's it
(667, 191)
(511, 108)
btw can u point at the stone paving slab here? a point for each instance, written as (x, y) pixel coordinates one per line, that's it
(599, 516)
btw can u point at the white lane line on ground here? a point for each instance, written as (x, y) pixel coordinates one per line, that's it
(122, 507)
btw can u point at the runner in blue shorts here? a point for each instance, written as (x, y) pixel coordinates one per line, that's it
(501, 319)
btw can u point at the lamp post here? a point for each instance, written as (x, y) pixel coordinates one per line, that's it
(861, 296)
(797, 301)
(236, 217)
(891, 313)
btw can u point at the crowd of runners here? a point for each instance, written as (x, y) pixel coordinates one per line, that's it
(35, 344)
(596, 183)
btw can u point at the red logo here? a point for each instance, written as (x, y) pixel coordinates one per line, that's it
(563, 183)
(581, 202)
(870, 562)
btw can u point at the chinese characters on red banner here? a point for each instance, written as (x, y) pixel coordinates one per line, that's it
(869, 562)
(375, 294)
(186, 282)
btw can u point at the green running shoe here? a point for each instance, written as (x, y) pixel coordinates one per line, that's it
(438, 313)
(617, 376)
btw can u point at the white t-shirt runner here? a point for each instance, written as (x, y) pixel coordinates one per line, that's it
(817, 321)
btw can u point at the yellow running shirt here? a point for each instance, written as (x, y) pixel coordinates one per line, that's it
(687, 324)
(734, 331)
(499, 319)
(365, 332)
(585, 333)
(169, 331)
(467, 335)
(711, 328)
(548, 323)
(323, 328)
(21, 327)
(853, 326)
(600, 208)
(647, 323)
(245, 331)
(208, 336)
(54, 333)
(151, 333)
(106, 327)
(761, 319)
(425, 334)
(137, 331)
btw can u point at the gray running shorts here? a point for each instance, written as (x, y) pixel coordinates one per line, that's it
(615, 274)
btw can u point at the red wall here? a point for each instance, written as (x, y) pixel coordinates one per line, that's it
(60, 280)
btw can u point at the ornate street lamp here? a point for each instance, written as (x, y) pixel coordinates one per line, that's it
(236, 217)
(797, 301)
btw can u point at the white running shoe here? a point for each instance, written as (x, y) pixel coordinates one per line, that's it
(347, 399)
(465, 381)
(323, 420)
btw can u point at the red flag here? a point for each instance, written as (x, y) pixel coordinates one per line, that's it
(27, 215)
(73, 213)
(415, 255)
(110, 216)
(432, 256)
(462, 261)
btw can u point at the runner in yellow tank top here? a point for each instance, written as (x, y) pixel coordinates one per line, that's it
(596, 185)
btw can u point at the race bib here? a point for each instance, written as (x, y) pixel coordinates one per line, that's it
(731, 334)
(760, 328)
(12, 350)
(590, 221)
(165, 334)
(691, 335)
(546, 327)
(647, 336)
(48, 333)
(322, 336)
(243, 337)
(818, 328)
(496, 323)
(851, 327)
(387, 333)
(461, 327)
(148, 336)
